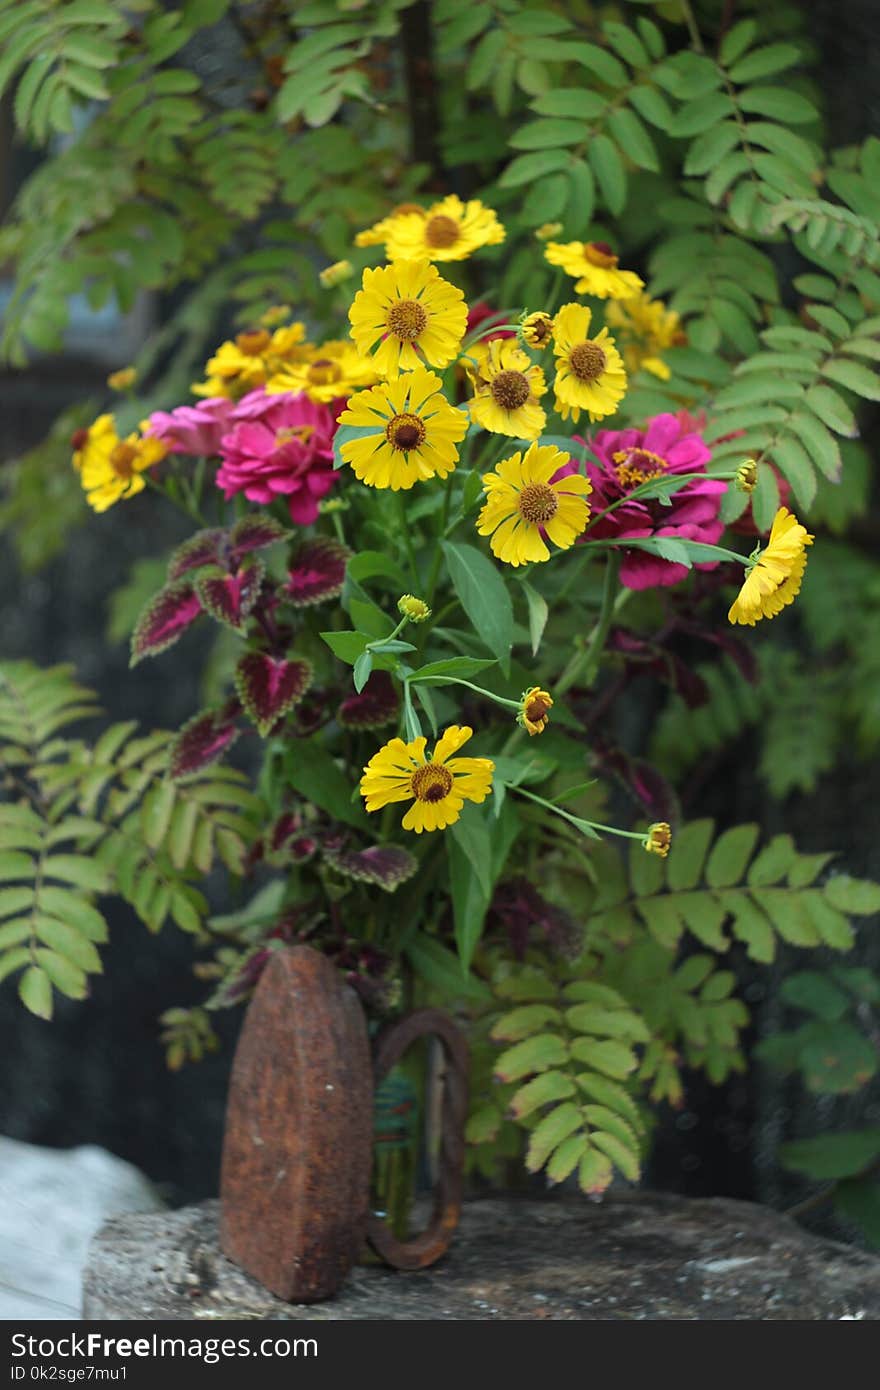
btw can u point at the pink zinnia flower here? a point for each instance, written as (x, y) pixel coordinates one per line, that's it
(622, 460)
(193, 429)
(279, 446)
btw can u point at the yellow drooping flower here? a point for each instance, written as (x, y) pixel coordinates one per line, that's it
(275, 314)
(415, 609)
(747, 476)
(412, 313)
(250, 359)
(523, 505)
(326, 372)
(121, 380)
(593, 265)
(110, 467)
(534, 710)
(658, 839)
(335, 274)
(437, 786)
(377, 235)
(647, 328)
(547, 231)
(773, 579)
(507, 387)
(537, 329)
(447, 231)
(590, 374)
(414, 432)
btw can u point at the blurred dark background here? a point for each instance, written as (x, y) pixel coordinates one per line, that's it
(97, 1073)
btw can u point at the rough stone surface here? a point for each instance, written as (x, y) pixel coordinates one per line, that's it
(51, 1203)
(637, 1256)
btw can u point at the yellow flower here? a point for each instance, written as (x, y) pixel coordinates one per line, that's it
(326, 373)
(438, 786)
(537, 329)
(523, 502)
(773, 580)
(648, 328)
(409, 310)
(335, 274)
(589, 371)
(110, 467)
(596, 265)
(448, 231)
(658, 839)
(378, 233)
(534, 708)
(247, 361)
(121, 380)
(408, 606)
(747, 476)
(278, 313)
(414, 432)
(547, 231)
(507, 386)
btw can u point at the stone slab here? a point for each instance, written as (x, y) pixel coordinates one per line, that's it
(643, 1255)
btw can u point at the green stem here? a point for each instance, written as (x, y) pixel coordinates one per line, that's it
(456, 680)
(407, 539)
(576, 821)
(585, 664)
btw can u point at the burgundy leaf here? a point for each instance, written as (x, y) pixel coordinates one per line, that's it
(269, 686)
(649, 787)
(253, 533)
(524, 913)
(387, 866)
(376, 705)
(164, 619)
(318, 572)
(201, 549)
(204, 739)
(230, 597)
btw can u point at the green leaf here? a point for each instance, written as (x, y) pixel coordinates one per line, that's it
(484, 597)
(535, 1054)
(548, 132)
(68, 942)
(470, 902)
(594, 1173)
(858, 1200)
(750, 925)
(779, 103)
(610, 174)
(632, 139)
(701, 114)
(730, 855)
(14, 865)
(528, 167)
(35, 991)
(854, 377)
(566, 1157)
(816, 994)
(837, 1059)
(611, 1058)
(523, 1022)
(61, 903)
(855, 895)
(312, 772)
(63, 974)
(471, 833)
(620, 1023)
(542, 1090)
(74, 868)
(761, 62)
(439, 967)
(463, 666)
(561, 1122)
(832, 410)
(622, 1157)
(539, 612)
(690, 846)
(829, 1156)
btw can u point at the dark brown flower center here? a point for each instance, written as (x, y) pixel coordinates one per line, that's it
(540, 332)
(510, 390)
(122, 459)
(79, 439)
(587, 361)
(601, 254)
(537, 708)
(441, 231)
(538, 503)
(253, 343)
(636, 466)
(431, 782)
(407, 319)
(324, 371)
(405, 432)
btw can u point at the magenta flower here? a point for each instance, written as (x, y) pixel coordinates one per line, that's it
(193, 429)
(279, 446)
(622, 460)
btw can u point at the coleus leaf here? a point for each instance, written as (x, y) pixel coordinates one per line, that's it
(165, 618)
(253, 533)
(230, 597)
(318, 572)
(269, 686)
(377, 704)
(386, 866)
(203, 548)
(204, 739)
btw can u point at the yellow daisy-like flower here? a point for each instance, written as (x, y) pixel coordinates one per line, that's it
(507, 386)
(416, 431)
(326, 373)
(594, 266)
(534, 709)
(110, 467)
(438, 786)
(250, 359)
(377, 235)
(275, 314)
(590, 374)
(523, 502)
(447, 231)
(335, 274)
(121, 380)
(409, 310)
(774, 579)
(647, 329)
(658, 839)
(537, 329)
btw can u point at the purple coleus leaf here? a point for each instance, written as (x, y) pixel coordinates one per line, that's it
(165, 618)
(269, 686)
(642, 780)
(386, 866)
(202, 549)
(317, 572)
(253, 533)
(230, 597)
(377, 704)
(204, 739)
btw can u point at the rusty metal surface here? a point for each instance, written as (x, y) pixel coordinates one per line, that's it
(390, 1045)
(298, 1143)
